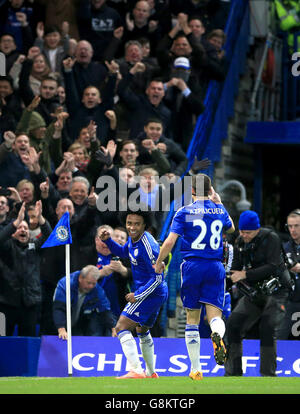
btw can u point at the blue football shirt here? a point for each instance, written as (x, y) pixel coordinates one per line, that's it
(143, 255)
(201, 224)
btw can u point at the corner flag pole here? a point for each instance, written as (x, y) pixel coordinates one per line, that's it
(68, 304)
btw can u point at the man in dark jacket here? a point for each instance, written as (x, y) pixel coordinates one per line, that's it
(90, 308)
(153, 131)
(86, 72)
(144, 106)
(20, 289)
(183, 98)
(91, 105)
(97, 22)
(259, 271)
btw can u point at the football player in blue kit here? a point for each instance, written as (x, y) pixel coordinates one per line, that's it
(150, 292)
(201, 225)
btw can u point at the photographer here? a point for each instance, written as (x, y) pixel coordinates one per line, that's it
(292, 251)
(259, 270)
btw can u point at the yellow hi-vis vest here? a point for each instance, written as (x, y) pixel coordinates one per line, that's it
(289, 15)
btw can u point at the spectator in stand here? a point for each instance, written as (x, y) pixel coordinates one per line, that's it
(92, 105)
(132, 55)
(34, 227)
(90, 309)
(147, 55)
(86, 72)
(10, 105)
(88, 137)
(58, 183)
(217, 39)
(80, 196)
(151, 195)
(4, 209)
(183, 98)
(64, 182)
(213, 42)
(129, 158)
(62, 178)
(54, 44)
(139, 24)
(208, 10)
(46, 141)
(87, 165)
(31, 70)
(126, 174)
(12, 151)
(180, 42)
(144, 106)
(16, 18)
(153, 131)
(9, 48)
(25, 188)
(49, 101)
(81, 156)
(20, 295)
(197, 27)
(97, 23)
(128, 155)
(61, 92)
(156, 158)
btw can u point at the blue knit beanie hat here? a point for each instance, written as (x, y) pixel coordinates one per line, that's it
(249, 220)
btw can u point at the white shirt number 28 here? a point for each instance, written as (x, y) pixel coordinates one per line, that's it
(215, 229)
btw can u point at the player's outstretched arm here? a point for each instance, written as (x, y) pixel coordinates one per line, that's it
(165, 249)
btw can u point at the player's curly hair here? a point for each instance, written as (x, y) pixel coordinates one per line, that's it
(143, 211)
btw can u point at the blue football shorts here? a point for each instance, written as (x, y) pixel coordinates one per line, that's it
(202, 281)
(145, 310)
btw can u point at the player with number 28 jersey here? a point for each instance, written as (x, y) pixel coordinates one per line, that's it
(200, 225)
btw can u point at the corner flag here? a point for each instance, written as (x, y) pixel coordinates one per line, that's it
(61, 234)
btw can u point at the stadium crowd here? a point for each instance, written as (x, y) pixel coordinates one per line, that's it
(93, 88)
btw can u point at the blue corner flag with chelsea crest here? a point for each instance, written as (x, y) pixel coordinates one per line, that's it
(61, 234)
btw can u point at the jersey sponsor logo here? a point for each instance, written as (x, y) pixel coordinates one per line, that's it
(136, 252)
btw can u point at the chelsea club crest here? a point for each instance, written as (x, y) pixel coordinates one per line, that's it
(62, 233)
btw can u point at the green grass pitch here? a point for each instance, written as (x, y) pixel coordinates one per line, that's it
(162, 385)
